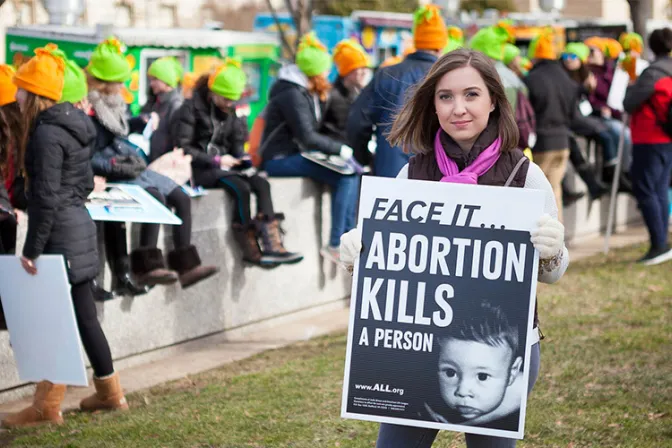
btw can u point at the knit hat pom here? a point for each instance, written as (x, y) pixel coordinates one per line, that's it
(429, 29)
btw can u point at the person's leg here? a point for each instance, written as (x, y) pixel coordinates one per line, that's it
(149, 233)
(646, 172)
(116, 250)
(262, 189)
(663, 189)
(609, 147)
(596, 189)
(479, 441)
(554, 164)
(398, 436)
(180, 202)
(93, 339)
(240, 191)
(344, 194)
(184, 258)
(616, 128)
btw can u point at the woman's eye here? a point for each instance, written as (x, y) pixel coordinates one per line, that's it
(483, 376)
(450, 373)
(472, 94)
(444, 97)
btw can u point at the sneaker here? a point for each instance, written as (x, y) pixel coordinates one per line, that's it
(332, 254)
(656, 256)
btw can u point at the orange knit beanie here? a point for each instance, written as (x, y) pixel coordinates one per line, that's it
(349, 56)
(44, 73)
(7, 87)
(429, 29)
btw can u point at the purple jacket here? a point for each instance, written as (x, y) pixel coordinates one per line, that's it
(598, 98)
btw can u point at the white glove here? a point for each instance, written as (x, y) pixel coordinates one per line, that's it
(549, 237)
(346, 152)
(351, 246)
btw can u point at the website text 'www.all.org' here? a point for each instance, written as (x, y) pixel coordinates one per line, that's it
(380, 388)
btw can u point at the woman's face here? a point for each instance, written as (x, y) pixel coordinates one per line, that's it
(222, 103)
(463, 105)
(596, 57)
(21, 98)
(571, 62)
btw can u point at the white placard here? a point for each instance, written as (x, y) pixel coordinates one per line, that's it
(128, 203)
(443, 290)
(619, 85)
(41, 320)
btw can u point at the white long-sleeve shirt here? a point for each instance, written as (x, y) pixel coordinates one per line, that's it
(536, 180)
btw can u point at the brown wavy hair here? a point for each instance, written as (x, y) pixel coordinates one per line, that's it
(12, 139)
(320, 86)
(416, 125)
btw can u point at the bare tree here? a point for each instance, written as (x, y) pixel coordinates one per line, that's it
(301, 13)
(640, 11)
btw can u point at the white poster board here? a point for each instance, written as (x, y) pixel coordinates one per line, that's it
(128, 203)
(40, 317)
(445, 284)
(619, 85)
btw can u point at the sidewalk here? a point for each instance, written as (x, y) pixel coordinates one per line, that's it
(213, 351)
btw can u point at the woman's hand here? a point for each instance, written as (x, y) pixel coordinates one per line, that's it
(549, 237)
(99, 184)
(28, 265)
(154, 117)
(606, 112)
(20, 215)
(591, 82)
(227, 162)
(351, 246)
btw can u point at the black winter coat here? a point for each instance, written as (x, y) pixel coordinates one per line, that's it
(294, 108)
(167, 106)
(336, 114)
(204, 131)
(60, 179)
(554, 97)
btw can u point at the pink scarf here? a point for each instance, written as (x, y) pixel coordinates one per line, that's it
(470, 174)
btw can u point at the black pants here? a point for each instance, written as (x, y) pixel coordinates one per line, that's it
(8, 236)
(93, 339)
(241, 189)
(181, 203)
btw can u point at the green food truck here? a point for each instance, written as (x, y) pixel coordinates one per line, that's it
(199, 50)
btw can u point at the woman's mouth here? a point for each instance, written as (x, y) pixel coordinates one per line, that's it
(461, 123)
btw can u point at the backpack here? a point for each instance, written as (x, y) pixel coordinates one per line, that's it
(527, 123)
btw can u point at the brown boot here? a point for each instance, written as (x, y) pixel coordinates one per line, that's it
(246, 237)
(272, 246)
(46, 407)
(188, 265)
(108, 397)
(149, 267)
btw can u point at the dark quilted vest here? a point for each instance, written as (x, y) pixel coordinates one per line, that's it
(425, 167)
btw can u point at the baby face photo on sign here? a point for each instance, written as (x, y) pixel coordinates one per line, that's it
(479, 370)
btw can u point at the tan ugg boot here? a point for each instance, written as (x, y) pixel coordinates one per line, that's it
(108, 397)
(46, 407)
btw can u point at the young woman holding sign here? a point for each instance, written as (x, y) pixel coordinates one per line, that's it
(58, 181)
(461, 129)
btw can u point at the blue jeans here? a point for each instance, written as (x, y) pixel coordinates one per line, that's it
(343, 197)
(650, 172)
(397, 436)
(615, 128)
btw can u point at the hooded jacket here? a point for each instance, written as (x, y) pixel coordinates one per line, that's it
(377, 106)
(338, 108)
(60, 179)
(300, 113)
(648, 102)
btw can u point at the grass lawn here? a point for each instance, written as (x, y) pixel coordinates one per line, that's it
(606, 381)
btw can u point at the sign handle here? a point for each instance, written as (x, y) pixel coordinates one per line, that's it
(614, 184)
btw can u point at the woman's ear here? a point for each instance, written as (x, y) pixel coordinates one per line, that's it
(492, 107)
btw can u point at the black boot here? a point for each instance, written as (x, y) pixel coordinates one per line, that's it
(569, 197)
(596, 189)
(187, 263)
(149, 267)
(123, 283)
(246, 237)
(100, 294)
(272, 246)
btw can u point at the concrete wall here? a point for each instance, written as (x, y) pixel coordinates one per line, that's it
(247, 296)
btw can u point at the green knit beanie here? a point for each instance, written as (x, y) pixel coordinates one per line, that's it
(490, 42)
(74, 85)
(108, 62)
(228, 80)
(455, 39)
(579, 49)
(313, 58)
(167, 69)
(510, 53)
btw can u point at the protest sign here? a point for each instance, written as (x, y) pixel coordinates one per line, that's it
(41, 321)
(442, 306)
(128, 203)
(619, 84)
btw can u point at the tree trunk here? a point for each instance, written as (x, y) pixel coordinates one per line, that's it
(281, 32)
(640, 11)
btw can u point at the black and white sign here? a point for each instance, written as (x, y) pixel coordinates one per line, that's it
(443, 306)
